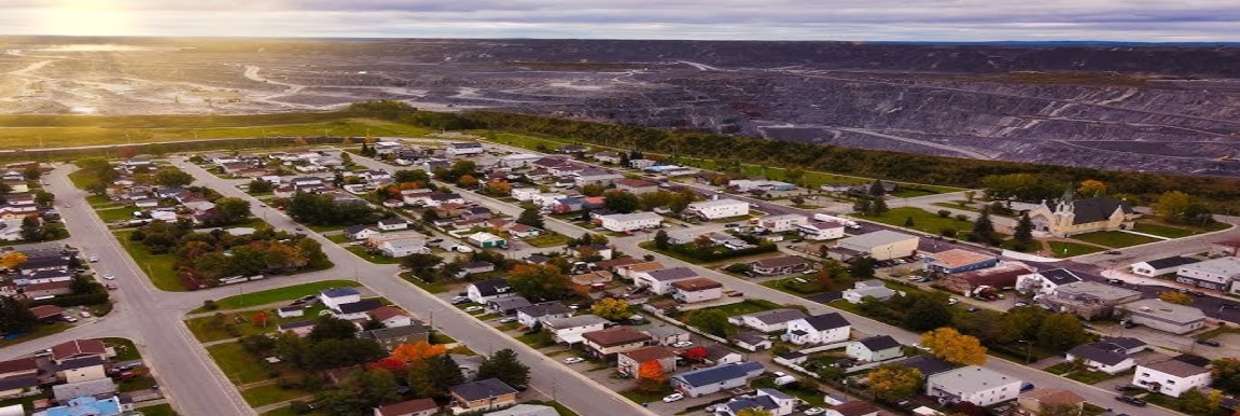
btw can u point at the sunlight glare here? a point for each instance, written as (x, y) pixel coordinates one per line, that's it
(87, 18)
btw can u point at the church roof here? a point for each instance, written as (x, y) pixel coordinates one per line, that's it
(1095, 209)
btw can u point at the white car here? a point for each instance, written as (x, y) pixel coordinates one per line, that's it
(507, 319)
(682, 344)
(461, 248)
(573, 360)
(93, 259)
(474, 308)
(779, 373)
(84, 314)
(673, 397)
(813, 411)
(109, 276)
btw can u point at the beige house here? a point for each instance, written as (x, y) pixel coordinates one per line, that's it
(1069, 216)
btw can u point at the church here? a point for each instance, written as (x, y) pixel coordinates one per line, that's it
(1069, 216)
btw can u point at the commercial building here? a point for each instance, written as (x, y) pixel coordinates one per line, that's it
(1045, 282)
(821, 230)
(958, 261)
(973, 384)
(1000, 277)
(1217, 274)
(1088, 300)
(1164, 316)
(696, 290)
(660, 281)
(718, 209)
(1159, 267)
(783, 223)
(775, 266)
(878, 245)
(623, 223)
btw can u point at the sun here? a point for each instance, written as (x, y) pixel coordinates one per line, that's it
(87, 18)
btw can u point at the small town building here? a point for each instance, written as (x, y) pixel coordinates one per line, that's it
(828, 328)
(696, 290)
(1216, 274)
(1164, 316)
(783, 223)
(608, 342)
(570, 330)
(774, 320)
(1045, 282)
(875, 348)
(821, 230)
(1087, 299)
(1070, 216)
(628, 363)
(623, 223)
(879, 245)
(958, 261)
(1040, 401)
(481, 396)
(481, 292)
(977, 385)
(716, 209)
(710, 380)
(1171, 377)
(774, 266)
(660, 281)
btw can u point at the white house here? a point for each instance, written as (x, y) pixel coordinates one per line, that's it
(718, 208)
(774, 320)
(532, 316)
(973, 384)
(1214, 274)
(660, 281)
(821, 230)
(783, 223)
(1171, 377)
(570, 330)
(774, 402)
(696, 290)
(481, 292)
(393, 224)
(622, 223)
(390, 316)
(402, 247)
(463, 149)
(518, 160)
(864, 289)
(1045, 282)
(1102, 356)
(524, 194)
(1159, 267)
(334, 297)
(828, 328)
(876, 348)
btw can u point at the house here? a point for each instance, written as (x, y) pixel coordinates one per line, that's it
(390, 316)
(629, 362)
(1102, 356)
(1041, 401)
(607, 342)
(773, 402)
(774, 266)
(1159, 267)
(477, 267)
(1087, 299)
(357, 310)
(1225, 248)
(78, 348)
(526, 410)
(46, 313)
(631, 270)
(928, 365)
(393, 224)
(298, 328)
(1217, 274)
(481, 395)
(821, 230)
(718, 354)
(1069, 216)
(973, 384)
(774, 320)
(636, 186)
(487, 240)
(507, 305)
(958, 261)
(569, 330)
(1045, 282)
(79, 369)
(481, 292)
(87, 406)
(667, 335)
(1171, 377)
(783, 223)
(710, 380)
(696, 290)
(751, 341)
(716, 209)
(872, 288)
(531, 316)
(853, 408)
(360, 232)
(334, 297)
(1164, 316)
(458, 149)
(1000, 277)
(401, 247)
(879, 245)
(390, 338)
(623, 223)
(518, 160)
(660, 281)
(17, 386)
(761, 186)
(100, 387)
(607, 157)
(19, 368)
(290, 312)
(875, 348)
(828, 328)
(595, 176)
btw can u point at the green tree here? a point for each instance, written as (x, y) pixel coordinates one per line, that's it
(328, 327)
(983, 228)
(661, 240)
(433, 376)
(259, 186)
(44, 198)
(1060, 332)
(1227, 374)
(410, 175)
(611, 309)
(908, 222)
(422, 265)
(541, 282)
(31, 229)
(926, 313)
(505, 366)
(714, 322)
(230, 211)
(861, 268)
(894, 382)
(531, 217)
(1024, 230)
(172, 177)
(15, 317)
(622, 202)
(1172, 205)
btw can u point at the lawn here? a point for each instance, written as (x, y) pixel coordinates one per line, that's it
(639, 396)
(338, 238)
(811, 396)
(547, 239)
(1174, 231)
(23, 131)
(207, 329)
(157, 410)
(1114, 239)
(238, 364)
(158, 267)
(744, 307)
(115, 214)
(433, 287)
(811, 286)
(371, 257)
(41, 330)
(1067, 369)
(1064, 249)
(540, 339)
(923, 221)
(269, 296)
(271, 393)
(125, 350)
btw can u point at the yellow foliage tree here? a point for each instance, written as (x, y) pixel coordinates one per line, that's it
(894, 382)
(1171, 296)
(1092, 187)
(952, 346)
(12, 260)
(610, 308)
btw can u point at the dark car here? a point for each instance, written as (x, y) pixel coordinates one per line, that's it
(1026, 387)
(1131, 400)
(1209, 342)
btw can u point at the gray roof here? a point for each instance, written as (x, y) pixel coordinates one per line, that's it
(827, 321)
(1098, 353)
(1225, 266)
(1165, 311)
(927, 364)
(363, 305)
(675, 273)
(482, 389)
(526, 410)
(1098, 290)
(492, 287)
(575, 321)
(880, 342)
(19, 382)
(716, 374)
(396, 332)
(1173, 261)
(539, 310)
(1177, 368)
(875, 239)
(509, 303)
(1124, 342)
(970, 379)
(775, 316)
(1096, 209)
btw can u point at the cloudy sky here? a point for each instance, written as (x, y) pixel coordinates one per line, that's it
(909, 20)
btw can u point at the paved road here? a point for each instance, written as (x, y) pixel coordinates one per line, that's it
(547, 376)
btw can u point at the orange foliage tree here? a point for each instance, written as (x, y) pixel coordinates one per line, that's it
(416, 352)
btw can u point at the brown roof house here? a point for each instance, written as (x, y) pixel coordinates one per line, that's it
(481, 396)
(78, 348)
(1038, 400)
(415, 407)
(998, 277)
(629, 362)
(614, 340)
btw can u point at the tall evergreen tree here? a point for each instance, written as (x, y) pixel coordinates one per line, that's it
(983, 229)
(505, 366)
(1024, 229)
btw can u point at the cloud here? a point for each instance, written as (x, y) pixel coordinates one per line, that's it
(907, 20)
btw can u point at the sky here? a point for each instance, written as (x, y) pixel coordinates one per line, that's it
(873, 20)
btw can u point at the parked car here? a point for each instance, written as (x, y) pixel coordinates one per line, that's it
(673, 397)
(84, 314)
(93, 259)
(573, 360)
(1020, 304)
(1131, 400)
(507, 319)
(682, 344)
(474, 308)
(813, 411)
(109, 276)
(1209, 342)
(1026, 387)
(459, 300)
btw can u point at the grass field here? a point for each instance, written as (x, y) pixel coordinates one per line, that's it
(206, 329)
(270, 393)
(1063, 249)
(1162, 230)
(276, 295)
(41, 330)
(238, 365)
(157, 410)
(373, 258)
(125, 350)
(115, 214)
(1114, 239)
(19, 132)
(922, 220)
(157, 266)
(547, 239)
